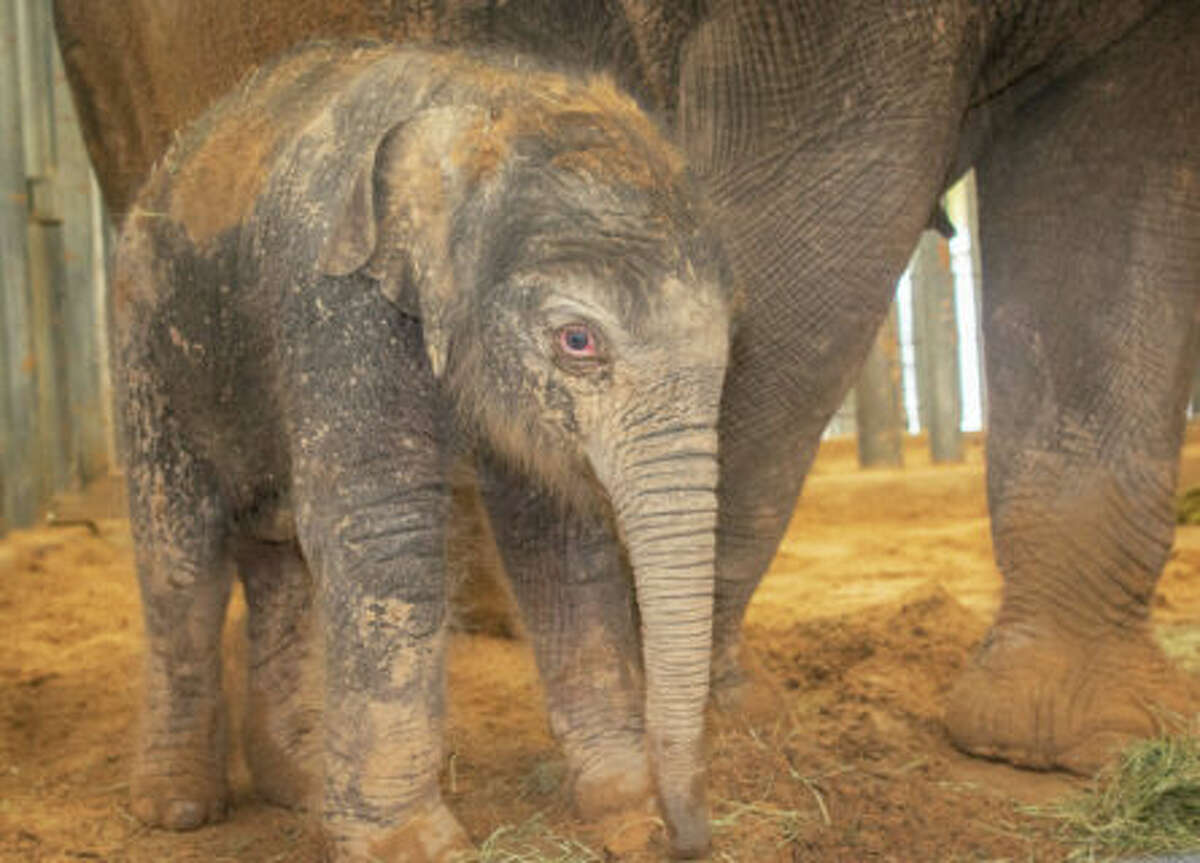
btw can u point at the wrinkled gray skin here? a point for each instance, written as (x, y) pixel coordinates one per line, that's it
(823, 132)
(824, 157)
(358, 267)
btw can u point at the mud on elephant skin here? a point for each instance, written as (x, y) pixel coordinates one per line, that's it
(360, 265)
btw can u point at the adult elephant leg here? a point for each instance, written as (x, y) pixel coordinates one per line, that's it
(574, 591)
(823, 136)
(1091, 245)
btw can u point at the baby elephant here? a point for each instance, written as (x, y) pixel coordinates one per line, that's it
(364, 263)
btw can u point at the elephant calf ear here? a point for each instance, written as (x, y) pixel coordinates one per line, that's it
(355, 232)
(351, 240)
(373, 230)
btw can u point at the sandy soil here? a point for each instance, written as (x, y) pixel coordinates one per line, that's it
(878, 593)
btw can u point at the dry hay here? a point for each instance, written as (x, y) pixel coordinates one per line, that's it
(1187, 507)
(1148, 803)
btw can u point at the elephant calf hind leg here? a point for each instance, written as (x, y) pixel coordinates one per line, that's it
(179, 771)
(281, 736)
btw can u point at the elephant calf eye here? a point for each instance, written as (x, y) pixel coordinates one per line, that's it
(577, 340)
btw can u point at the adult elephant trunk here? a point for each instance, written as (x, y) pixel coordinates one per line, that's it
(663, 490)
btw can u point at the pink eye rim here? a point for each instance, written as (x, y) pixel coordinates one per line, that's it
(578, 341)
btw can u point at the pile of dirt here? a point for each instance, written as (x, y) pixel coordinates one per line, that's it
(840, 753)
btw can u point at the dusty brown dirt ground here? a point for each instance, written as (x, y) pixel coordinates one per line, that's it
(878, 593)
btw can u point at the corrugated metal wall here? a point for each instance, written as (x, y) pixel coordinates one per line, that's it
(55, 412)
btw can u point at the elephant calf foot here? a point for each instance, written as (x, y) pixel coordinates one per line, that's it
(282, 745)
(433, 836)
(1045, 701)
(178, 791)
(612, 784)
(282, 732)
(179, 773)
(615, 795)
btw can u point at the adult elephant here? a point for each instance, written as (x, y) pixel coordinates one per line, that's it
(824, 132)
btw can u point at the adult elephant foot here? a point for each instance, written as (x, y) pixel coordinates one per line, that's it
(1045, 701)
(730, 679)
(731, 673)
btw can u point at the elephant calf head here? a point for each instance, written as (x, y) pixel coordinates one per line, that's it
(549, 239)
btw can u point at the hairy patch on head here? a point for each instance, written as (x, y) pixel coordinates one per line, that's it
(598, 131)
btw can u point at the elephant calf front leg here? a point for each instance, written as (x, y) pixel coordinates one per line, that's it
(378, 557)
(577, 605)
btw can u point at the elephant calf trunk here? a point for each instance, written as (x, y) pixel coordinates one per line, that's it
(668, 519)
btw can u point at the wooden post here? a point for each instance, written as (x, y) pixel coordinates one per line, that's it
(47, 278)
(18, 381)
(879, 410)
(935, 333)
(54, 426)
(77, 196)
